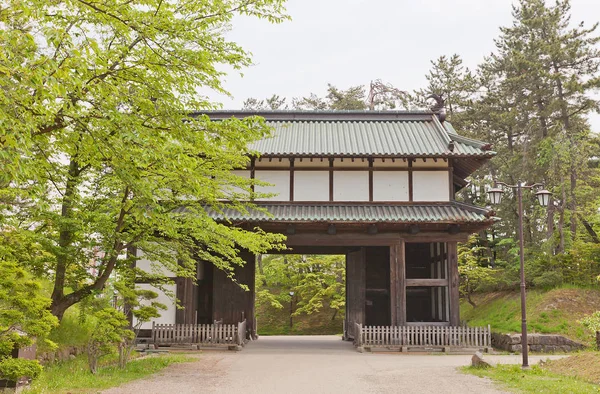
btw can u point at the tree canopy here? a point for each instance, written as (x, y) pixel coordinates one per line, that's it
(104, 145)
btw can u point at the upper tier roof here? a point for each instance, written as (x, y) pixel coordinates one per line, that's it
(359, 134)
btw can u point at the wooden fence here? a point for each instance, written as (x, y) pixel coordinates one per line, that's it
(423, 336)
(201, 334)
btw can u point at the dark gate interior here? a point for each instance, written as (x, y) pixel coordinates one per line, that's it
(377, 284)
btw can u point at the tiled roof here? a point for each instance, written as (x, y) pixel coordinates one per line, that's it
(451, 212)
(360, 133)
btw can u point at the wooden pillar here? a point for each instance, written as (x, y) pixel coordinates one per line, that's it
(355, 290)
(454, 283)
(397, 284)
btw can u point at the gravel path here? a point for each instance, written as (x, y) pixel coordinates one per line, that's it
(314, 364)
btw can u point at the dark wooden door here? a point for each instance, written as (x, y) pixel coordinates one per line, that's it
(355, 290)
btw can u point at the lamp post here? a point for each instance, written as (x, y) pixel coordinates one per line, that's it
(291, 308)
(543, 197)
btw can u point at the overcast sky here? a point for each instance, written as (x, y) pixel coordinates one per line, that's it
(351, 42)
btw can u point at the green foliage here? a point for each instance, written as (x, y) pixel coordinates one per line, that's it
(13, 368)
(534, 380)
(73, 376)
(473, 268)
(100, 152)
(24, 316)
(592, 322)
(315, 280)
(110, 332)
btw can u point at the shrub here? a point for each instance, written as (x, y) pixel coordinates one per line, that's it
(24, 316)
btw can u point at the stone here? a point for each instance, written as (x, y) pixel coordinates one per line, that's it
(477, 361)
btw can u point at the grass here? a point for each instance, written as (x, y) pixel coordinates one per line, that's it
(73, 376)
(535, 380)
(556, 311)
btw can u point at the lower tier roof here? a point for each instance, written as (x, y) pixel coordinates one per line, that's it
(442, 213)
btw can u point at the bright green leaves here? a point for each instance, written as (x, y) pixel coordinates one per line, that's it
(316, 281)
(24, 315)
(97, 136)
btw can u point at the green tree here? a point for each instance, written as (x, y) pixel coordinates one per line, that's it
(315, 280)
(449, 78)
(473, 268)
(110, 332)
(353, 98)
(24, 315)
(95, 105)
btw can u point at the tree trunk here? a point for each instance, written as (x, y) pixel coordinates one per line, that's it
(260, 269)
(588, 227)
(66, 232)
(335, 312)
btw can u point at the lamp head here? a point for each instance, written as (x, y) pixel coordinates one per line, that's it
(543, 197)
(495, 195)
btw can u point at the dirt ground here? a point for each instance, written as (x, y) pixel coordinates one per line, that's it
(314, 364)
(583, 365)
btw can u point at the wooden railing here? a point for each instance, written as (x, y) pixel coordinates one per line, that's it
(202, 334)
(424, 336)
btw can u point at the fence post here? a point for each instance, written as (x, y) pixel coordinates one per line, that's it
(598, 340)
(153, 334)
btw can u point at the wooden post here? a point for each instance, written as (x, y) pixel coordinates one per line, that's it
(454, 297)
(397, 285)
(598, 340)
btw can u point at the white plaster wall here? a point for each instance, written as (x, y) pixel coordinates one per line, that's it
(430, 186)
(152, 267)
(351, 186)
(311, 185)
(166, 316)
(280, 181)
(390, 185)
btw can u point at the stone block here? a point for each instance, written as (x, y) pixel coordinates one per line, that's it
(478, 361)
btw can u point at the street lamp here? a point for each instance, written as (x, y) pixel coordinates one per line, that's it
(291, 309)
(543, 197)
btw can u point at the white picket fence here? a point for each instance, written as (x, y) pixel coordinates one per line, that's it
(424, 336)
(201, 334)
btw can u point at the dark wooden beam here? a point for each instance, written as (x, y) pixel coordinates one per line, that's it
(410, 181)
(370, 179)
(453, 290)
(426, 282)
(252, 171)
(401, 272)
(344, 239)
(331, 180)
(451, 179)
(291, 179)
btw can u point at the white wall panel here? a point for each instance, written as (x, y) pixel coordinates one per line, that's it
(430, 186)
(280, 181)
(166, 316)
(351, 186)
(390, 185)
(311, 185)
